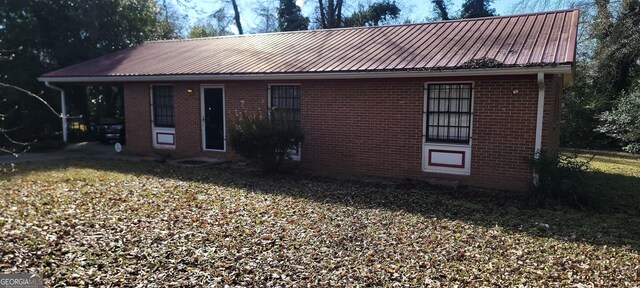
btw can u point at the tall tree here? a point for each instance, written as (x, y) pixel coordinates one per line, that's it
(622, 122)
(216, 24)
(604, 94)
(170, 22)
(617, 50)
(43, 35)
(605, 77)
(290, 17)
(588, 10)
(267, 16)
(236, 16)
(476, 9)
(330, 13)
(374, 15)
(440, 7)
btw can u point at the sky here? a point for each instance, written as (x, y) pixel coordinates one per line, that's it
(414, 10)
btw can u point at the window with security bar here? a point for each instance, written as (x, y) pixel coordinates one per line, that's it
(285, 102)
(448, 118)
(285, 105)
(163, 106)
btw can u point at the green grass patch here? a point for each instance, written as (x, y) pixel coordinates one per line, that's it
(614, 180)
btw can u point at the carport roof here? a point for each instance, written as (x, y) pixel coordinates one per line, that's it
(536, 40)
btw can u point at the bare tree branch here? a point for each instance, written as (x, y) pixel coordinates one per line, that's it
(4, 132)
(13, 152)
(189, 5)
(32, 95)
(10, 130)
(6, 114)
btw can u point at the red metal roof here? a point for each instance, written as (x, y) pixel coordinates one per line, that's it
(536, 39)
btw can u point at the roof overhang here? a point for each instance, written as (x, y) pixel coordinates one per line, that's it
(563, 69)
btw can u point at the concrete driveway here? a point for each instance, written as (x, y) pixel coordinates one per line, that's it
(70, 151)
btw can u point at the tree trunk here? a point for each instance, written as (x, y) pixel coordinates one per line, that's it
(237, 16)
(323, 17)
(339, 14)
(441, 9)
(331, 14)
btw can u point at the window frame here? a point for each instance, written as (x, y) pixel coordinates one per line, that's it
(270, 96)
(425, 115)
(153, 105)
(298, 153)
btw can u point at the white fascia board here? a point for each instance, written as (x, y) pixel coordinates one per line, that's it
(313, 76)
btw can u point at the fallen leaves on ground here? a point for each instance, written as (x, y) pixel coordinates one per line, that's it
(114, 223)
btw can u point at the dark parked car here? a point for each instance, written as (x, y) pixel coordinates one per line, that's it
(111, 132)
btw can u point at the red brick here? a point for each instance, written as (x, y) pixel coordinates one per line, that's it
(374, 127)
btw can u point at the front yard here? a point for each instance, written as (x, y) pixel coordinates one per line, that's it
(113, 223)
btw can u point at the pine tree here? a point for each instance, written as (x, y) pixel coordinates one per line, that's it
(376, 14)
(440, 7)
(476, 9)
(290, 17)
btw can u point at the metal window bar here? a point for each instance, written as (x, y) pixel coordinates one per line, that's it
(163, 106)
(285, 102)
(285, 105)
(448, 114)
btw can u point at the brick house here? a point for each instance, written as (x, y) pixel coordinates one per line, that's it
(468, 100)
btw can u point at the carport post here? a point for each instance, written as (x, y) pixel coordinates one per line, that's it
(63, 114)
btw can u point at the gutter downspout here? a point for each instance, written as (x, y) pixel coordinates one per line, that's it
(63, 115)
(539, 117)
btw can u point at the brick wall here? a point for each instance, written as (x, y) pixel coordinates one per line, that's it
(504, 133)
(374, 127)
(137, 117)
